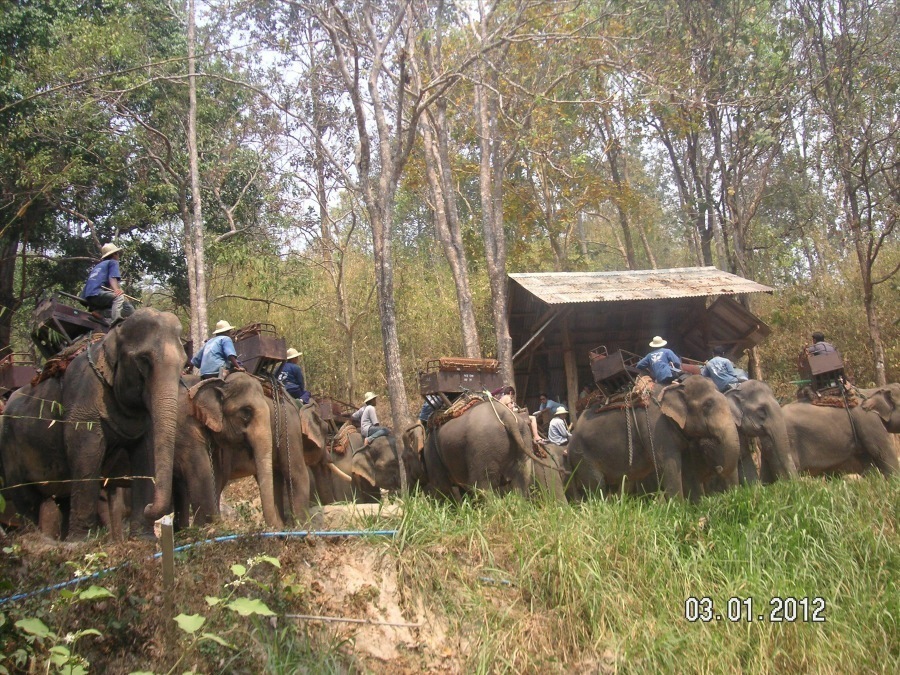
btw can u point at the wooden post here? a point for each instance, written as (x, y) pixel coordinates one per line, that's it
(571, 367)
(167, 543)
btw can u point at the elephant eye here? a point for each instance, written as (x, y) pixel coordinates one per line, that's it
(246, 414)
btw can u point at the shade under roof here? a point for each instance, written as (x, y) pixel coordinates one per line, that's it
(556, 288)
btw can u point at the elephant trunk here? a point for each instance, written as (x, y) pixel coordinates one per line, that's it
(775, 447)
(264, 445)
(163, 401)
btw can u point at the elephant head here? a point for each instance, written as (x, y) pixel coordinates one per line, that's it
(237, 412)
(141, 359)
(702, 413)
(757, 414)
(314, 429)
(379, 463)
(884, 401)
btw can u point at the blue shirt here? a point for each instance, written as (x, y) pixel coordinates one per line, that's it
(100, 276)
(291, 376)
(721, 371)
(659, 362)
(558, 432)
(550, 404)
(214, 355)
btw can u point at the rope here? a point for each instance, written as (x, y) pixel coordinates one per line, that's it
(849, 415)
(628, 427)
(90, 360)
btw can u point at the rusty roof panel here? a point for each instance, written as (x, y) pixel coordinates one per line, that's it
(555, 288)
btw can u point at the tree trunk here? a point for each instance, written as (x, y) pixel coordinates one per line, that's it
(435, 133)
(491, 182)
(198, 311)
(9, 303)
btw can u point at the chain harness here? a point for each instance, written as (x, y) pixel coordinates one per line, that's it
(278, 401)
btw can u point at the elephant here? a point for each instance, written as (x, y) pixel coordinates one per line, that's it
(757, 414)
(832, 440)
(218, 421)
(363, 471)
(117, 398)
(684, 436)
(270, 444)
(483, 448)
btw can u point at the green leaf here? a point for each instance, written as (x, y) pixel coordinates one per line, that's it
(275, 562)
(248, 606)
(34, 627)
(212, 600)
(238, 570)
(95, 593)
(217, 639)
(87, 631)
(190, 623)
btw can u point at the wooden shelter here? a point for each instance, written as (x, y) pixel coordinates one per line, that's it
(556, 318)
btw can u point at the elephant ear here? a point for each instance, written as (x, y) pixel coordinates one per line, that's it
(737, 412)
(206, 399)
(882, 403)
(106, 356)
(309, 426)
(673, 403)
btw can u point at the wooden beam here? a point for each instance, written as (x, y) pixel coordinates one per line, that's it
(570, 365)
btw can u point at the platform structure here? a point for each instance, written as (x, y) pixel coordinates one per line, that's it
(444, 379)
(259, 349)
(56, 324)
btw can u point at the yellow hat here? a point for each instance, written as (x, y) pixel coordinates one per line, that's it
(222, 327)
(108, 250)
(293, 354)
(561, 410)
(658, 342)
(370, 396)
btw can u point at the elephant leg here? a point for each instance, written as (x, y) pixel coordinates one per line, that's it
(142, 492)
(115, 505)
(86, 449)
(670, 466)
(50, 519)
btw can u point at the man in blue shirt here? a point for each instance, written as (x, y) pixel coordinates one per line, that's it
(218, 352)
(720, 370)
(659, 362)
(291, 376)
(103, 289)
(558, 433)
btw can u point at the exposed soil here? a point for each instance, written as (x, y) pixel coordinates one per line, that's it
(339, 578)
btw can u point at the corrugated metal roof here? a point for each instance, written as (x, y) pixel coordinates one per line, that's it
(557, 288)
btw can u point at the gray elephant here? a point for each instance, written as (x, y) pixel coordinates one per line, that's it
(832, 440)
(120, 394)
(362, 471)
(757, 414)
(218, 421)
(483, 448)
(275, 457)
(684, 436)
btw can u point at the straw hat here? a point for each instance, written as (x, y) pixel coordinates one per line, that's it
(222, 327)
(293, 354)
(370, 396)
(108, 250)
(561, 410)
(658, 342)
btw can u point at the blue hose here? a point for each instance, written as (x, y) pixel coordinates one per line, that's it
(215, 540)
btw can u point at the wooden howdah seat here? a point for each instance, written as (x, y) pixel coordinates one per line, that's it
(259, 349)
(824, 371)
(16, 370)
(56, 325)
(613, 372)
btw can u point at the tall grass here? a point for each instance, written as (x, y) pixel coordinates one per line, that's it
(601, 585)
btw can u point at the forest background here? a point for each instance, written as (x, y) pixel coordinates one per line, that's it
(364, 175)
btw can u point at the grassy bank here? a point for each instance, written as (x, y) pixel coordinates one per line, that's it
(506, 585)
(602, 585)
